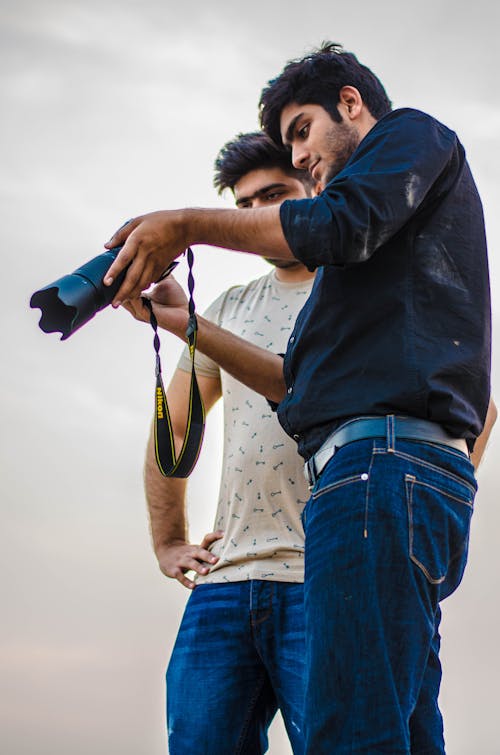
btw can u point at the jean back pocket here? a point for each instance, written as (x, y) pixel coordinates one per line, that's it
(439, 514)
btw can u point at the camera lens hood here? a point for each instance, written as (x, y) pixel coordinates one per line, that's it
(74, 299)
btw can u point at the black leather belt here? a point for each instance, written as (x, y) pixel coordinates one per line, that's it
(390, 427)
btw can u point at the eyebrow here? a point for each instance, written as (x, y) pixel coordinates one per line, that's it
(291, 128)
(259, 193)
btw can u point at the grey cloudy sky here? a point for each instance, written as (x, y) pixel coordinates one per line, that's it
(113, 108)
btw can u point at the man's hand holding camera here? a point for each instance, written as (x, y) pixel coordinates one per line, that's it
(150, 242)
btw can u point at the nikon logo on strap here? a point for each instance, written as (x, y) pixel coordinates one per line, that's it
(159, 402)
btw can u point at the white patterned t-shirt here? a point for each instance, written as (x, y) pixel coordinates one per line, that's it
(263, 490)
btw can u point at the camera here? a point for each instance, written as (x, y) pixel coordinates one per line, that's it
(74, 299)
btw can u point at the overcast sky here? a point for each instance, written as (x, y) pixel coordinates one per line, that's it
(110, 109)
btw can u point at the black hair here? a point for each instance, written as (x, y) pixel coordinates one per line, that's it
(249, 152)
(317, 79)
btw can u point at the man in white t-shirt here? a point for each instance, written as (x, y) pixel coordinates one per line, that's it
(239, 654)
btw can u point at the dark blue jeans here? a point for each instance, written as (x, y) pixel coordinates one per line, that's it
(238, 657)
(386, 540)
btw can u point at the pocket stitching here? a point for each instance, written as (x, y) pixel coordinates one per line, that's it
(410, 482)
(429, 465)
(337, 484)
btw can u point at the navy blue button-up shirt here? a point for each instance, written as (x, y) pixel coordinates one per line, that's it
(398, 320)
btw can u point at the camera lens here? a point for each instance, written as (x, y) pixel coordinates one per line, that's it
(74, 299)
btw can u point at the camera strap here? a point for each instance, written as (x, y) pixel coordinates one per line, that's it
(169, 464)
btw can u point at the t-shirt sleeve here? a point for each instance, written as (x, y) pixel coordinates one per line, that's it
(379, 190)
(203, 364)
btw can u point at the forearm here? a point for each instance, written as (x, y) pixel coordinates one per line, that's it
(150, 242)
(482, 440)
(257, 231)
(257, 368)
(165, 498)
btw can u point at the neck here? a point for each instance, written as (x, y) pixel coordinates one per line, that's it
(366, 123)
(293, 274)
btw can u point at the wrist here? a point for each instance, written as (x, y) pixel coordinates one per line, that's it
(162, 548)
(173, 320)
(209, 225)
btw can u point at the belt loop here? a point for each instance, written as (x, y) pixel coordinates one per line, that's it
(390, 433)
(311, 472)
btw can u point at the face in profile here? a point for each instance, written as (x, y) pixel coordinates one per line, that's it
(319, 144)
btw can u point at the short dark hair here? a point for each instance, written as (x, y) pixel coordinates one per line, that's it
(317, 79)
(247, 152)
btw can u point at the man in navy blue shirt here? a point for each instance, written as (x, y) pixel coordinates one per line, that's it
(385, 385)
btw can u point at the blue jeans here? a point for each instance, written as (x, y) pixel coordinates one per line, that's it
(238, 657)
(386, 540)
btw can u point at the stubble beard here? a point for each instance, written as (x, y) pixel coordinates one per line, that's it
(342, 141)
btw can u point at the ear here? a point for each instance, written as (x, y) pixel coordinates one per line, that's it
(351, 102)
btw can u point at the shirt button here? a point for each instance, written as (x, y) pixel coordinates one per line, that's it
(296, 436)
(290, 389)
(292, 339)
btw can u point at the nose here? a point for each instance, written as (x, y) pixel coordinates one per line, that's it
(300, 156)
